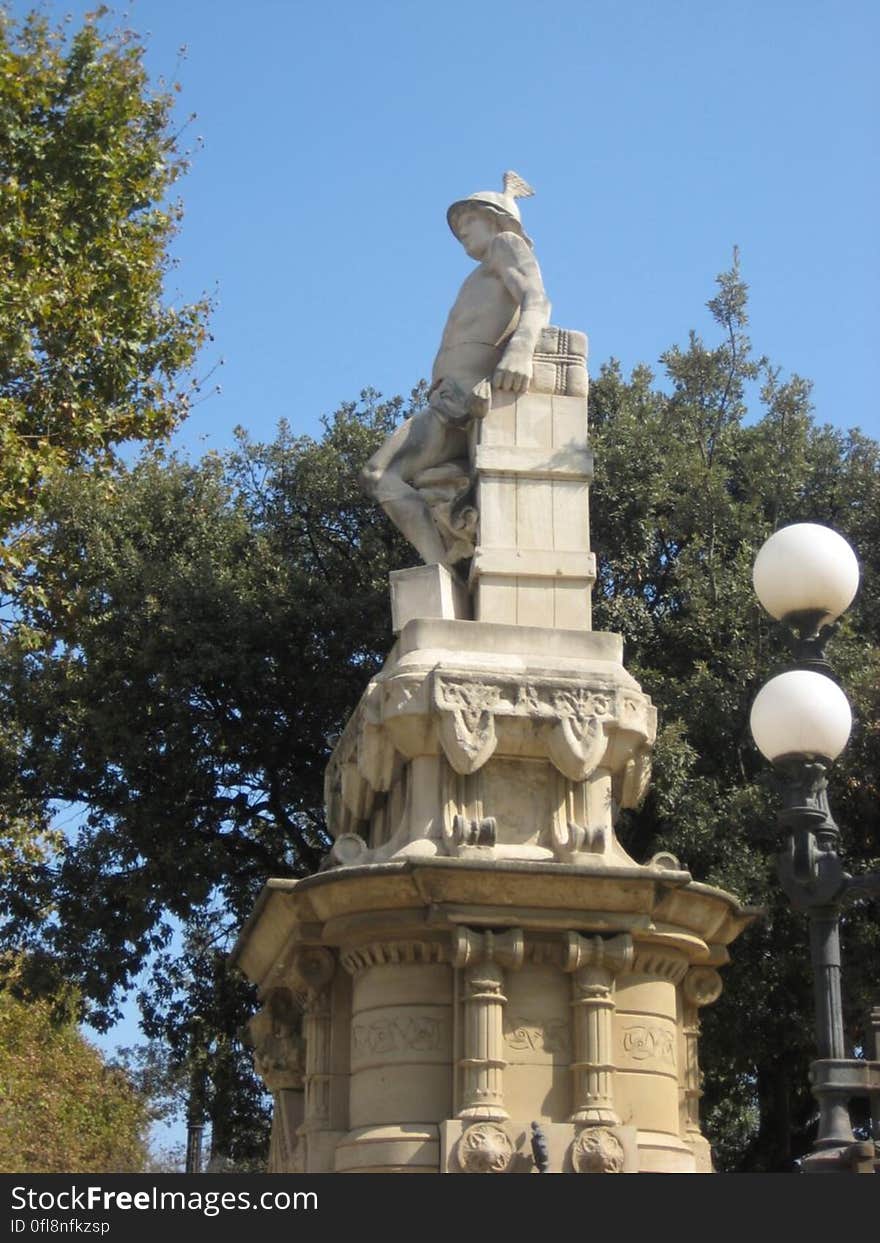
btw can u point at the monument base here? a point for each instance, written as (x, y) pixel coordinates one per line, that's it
(450, 1003)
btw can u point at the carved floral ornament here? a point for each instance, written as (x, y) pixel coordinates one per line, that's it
(485, 1149)
(577, 719)
(597, 1150)
(579, 725)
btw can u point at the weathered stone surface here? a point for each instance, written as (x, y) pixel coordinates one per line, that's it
(495, 994)
(500, 741)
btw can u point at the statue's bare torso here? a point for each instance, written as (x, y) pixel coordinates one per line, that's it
(484, 316)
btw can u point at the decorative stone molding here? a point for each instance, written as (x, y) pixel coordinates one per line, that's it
(276, 1036)
(701, 987)
(484, 957)
(463, 823)
(597, 1150)
(467, 724)
(309, 971)
(576, 741)
(576, 719)
(560, 363)
(636, 778)
(381, 953)
(594, 963)
(668, 964)
(484, 1149)
(572, 831)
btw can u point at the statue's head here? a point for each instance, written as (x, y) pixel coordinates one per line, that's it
(497, 208)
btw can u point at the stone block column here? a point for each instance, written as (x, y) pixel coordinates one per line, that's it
(532, 565)
(400, 1085)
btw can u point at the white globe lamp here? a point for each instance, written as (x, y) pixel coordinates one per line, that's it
(806, 569)
(801, 713)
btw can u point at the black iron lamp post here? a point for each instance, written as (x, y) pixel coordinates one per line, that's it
(806, 576)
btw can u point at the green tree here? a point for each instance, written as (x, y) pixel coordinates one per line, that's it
(62, 1107)
(206, 629)
(686, 492)
(90, 354)
(209, 627)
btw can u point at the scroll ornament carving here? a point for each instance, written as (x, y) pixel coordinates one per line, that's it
(702, 986)
(419, 1033)
(485, 1149)
(597, 1150)
(530, 1035)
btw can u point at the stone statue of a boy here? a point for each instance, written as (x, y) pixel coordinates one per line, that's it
(489, 338)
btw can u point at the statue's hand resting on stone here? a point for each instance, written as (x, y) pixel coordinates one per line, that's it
(514, 372)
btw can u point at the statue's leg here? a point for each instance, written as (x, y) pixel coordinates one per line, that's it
(422, 441)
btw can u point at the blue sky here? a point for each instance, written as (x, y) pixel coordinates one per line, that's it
(657, 134)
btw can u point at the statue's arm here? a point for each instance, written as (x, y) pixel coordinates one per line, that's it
(514, 262)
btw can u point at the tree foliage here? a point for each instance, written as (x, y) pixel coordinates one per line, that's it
(62, 1107)
(90, 354)
(205, 629)
(687, 490)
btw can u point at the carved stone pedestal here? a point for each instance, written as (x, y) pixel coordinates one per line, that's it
(457, 1000)
(481, 962)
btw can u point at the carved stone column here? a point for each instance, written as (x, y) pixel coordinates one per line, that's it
(594, 963)
(278, 1059)
(700, 987)
(311, 970)
(484, 956)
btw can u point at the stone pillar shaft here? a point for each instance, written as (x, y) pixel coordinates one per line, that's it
(593, 1068)
(482, 1062)
(594, 963)
(317, 1069)
(483, 1065)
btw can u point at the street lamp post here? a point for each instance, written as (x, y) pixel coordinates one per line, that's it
(806, 576)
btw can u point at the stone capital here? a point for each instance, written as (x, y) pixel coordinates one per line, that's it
(506, 949)
(610, 955)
